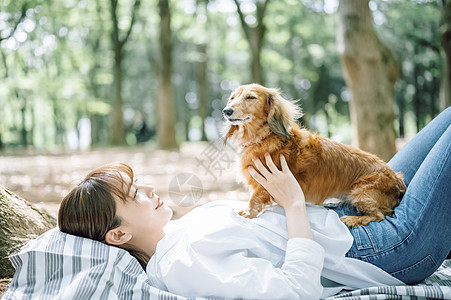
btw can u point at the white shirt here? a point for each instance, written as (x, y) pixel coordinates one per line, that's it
(214, 252)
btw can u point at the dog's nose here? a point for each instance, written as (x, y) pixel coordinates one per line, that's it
(227, 112)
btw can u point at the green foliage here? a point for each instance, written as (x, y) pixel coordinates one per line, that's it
(56, 64)
(411, 29)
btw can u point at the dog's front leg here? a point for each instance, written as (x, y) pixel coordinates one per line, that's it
(257, 202)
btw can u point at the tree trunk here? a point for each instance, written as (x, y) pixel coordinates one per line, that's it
(370, 70)
(401, 102)
(5, 65)
(23, 130)
(203, 86)
(256, 43)
(94, 87)
(418, 103)
(445, 51)
(118, 136)
(33, 125)
(23, 110)
(19, 223)
(255, 36)
(166, 107)
(58, 122)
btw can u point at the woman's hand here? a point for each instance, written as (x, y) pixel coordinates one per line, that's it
(281, 184)
(285, 190)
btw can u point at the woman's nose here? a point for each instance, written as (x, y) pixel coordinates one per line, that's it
(148, 189)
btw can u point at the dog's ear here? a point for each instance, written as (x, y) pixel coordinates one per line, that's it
(230, 130)
(282, 113)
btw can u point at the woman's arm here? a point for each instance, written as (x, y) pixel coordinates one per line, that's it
(304, 257)
(286, 191)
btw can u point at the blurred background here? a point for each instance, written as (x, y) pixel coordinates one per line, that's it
(84, 83)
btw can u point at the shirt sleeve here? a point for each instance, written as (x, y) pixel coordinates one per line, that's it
(302, 267)
(236, 275)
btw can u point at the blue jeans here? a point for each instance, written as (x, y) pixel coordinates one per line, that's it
(411, 244)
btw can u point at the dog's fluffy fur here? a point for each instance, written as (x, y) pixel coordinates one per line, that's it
(264, 122)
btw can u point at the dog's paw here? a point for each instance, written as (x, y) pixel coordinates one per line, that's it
(247, 214)
(355, 221)
(244, 213)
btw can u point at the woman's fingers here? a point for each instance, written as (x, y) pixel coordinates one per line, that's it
(266, 171)
(272, 167)
(261, 168)
(284, 164)
(260, 179)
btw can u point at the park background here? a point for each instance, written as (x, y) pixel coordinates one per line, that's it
(83, 83)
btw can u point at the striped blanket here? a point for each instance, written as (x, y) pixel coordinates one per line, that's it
(62, 266)
(437, 286)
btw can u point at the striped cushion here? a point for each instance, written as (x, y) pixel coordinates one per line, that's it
(57, 265)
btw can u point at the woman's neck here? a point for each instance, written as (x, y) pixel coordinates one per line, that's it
(148, 244)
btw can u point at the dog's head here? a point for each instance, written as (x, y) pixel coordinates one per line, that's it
(253, 106)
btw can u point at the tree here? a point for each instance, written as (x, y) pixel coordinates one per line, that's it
(202, 70)
(20, 8)
(166, 108)
(118, 136)
(255, 36)
(19, 223)
(202, 75)
(445, 51)
(412, 30)
(370, 70)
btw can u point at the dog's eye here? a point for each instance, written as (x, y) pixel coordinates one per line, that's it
(251, 97)
(231, 98)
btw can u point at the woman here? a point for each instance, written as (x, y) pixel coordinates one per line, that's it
(300, 251)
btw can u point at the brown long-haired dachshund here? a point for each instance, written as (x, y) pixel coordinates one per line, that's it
(262, 121)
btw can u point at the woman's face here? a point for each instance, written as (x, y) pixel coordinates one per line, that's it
(144, 213)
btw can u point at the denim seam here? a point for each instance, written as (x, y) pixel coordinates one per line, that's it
(362, 244)
(372, 240)
(423, 260)
(380, 253)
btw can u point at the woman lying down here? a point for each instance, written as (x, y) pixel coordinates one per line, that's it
(291, 251)
(212, 251)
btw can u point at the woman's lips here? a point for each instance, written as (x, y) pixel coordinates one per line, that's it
(160, 203)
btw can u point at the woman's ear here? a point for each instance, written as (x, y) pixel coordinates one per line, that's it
(117, 236)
